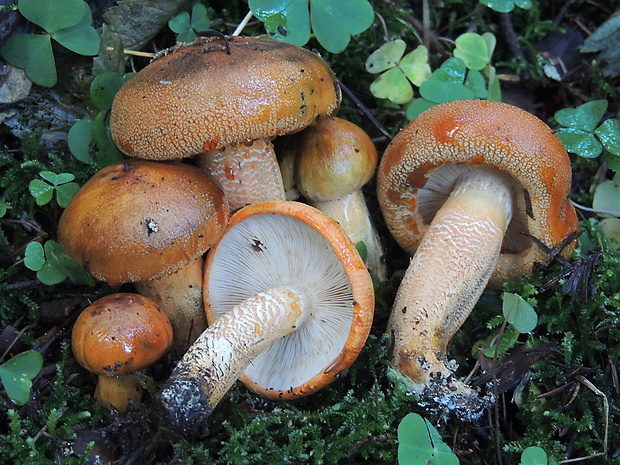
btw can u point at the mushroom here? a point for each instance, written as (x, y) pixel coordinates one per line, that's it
(116, 336)
(333, 159)
(458, 186)
(225, 99)
(290, 304)
(149, 223)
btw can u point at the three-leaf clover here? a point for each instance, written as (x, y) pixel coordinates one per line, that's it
(187, 26)
(467, 75)
(68, 22)
(582, 134)
(17, 374)
(62, 184)
(419, 442)
(53, 266)
(398, 72)
(332, 22)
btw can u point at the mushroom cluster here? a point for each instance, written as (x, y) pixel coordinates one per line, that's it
(464, 187)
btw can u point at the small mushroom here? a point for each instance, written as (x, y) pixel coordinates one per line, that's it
(457, 187)
(290, 304)
(149, 223)
(225, 99)
(333, 159)
(116, 336)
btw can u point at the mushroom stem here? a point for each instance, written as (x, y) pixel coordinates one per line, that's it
(443, 282)
(246, 173)
(353, 216)
(223, 351)
(117, 391)
(179, 296)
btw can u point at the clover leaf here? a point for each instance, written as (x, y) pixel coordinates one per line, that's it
(17, 374)
(518, 312)
(187, 26)
(419, 442)
(398, 72)
(53, 266)
(607, 197)
(580, 134)
(333, 23)
(61, 183)
(68, 22)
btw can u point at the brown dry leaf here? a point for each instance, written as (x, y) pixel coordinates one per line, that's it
(136, 22)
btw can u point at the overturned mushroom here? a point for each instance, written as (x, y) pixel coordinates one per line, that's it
(225, 99)
(457, 186)
(290, 304)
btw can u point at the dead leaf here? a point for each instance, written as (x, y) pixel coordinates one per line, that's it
(605, 41)
(14, 86)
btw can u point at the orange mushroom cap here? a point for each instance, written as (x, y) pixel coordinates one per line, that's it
(138, 220)
(215, 92)
(474, 133)
(334, 158)
(120, 334)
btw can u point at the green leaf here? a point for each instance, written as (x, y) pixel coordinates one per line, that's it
(200, 18)
(533, 455)
(519, 313)
(52, 272)
(285, 20)
(451, 70)
(104, 87)
(106, 153)
(509, 339)
(473, 50)
(53, 15)
(81, 38)
(610, 227)
(333, 23)
(506, 6)
(41, 191)
(476, 83)
(415, 65)
(418, 106)
(609, 135)
(580, 142)
(3, 208)
(79, 140)
(392, 85)
(32, 53)
(180, 23)
(65, 193)
(585, 117)
(420, 443)
(441, 91)
(17, 374)
(385, 57)
(605, 40)
(34, 256)
(607, 197)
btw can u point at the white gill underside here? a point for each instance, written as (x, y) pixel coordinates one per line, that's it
(266, 251)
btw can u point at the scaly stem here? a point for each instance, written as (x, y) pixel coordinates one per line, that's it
(223, 351)
(446, 276)
(248, 174)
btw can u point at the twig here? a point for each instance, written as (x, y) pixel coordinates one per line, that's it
(365, 110)
(592, 210)
(243, 23)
